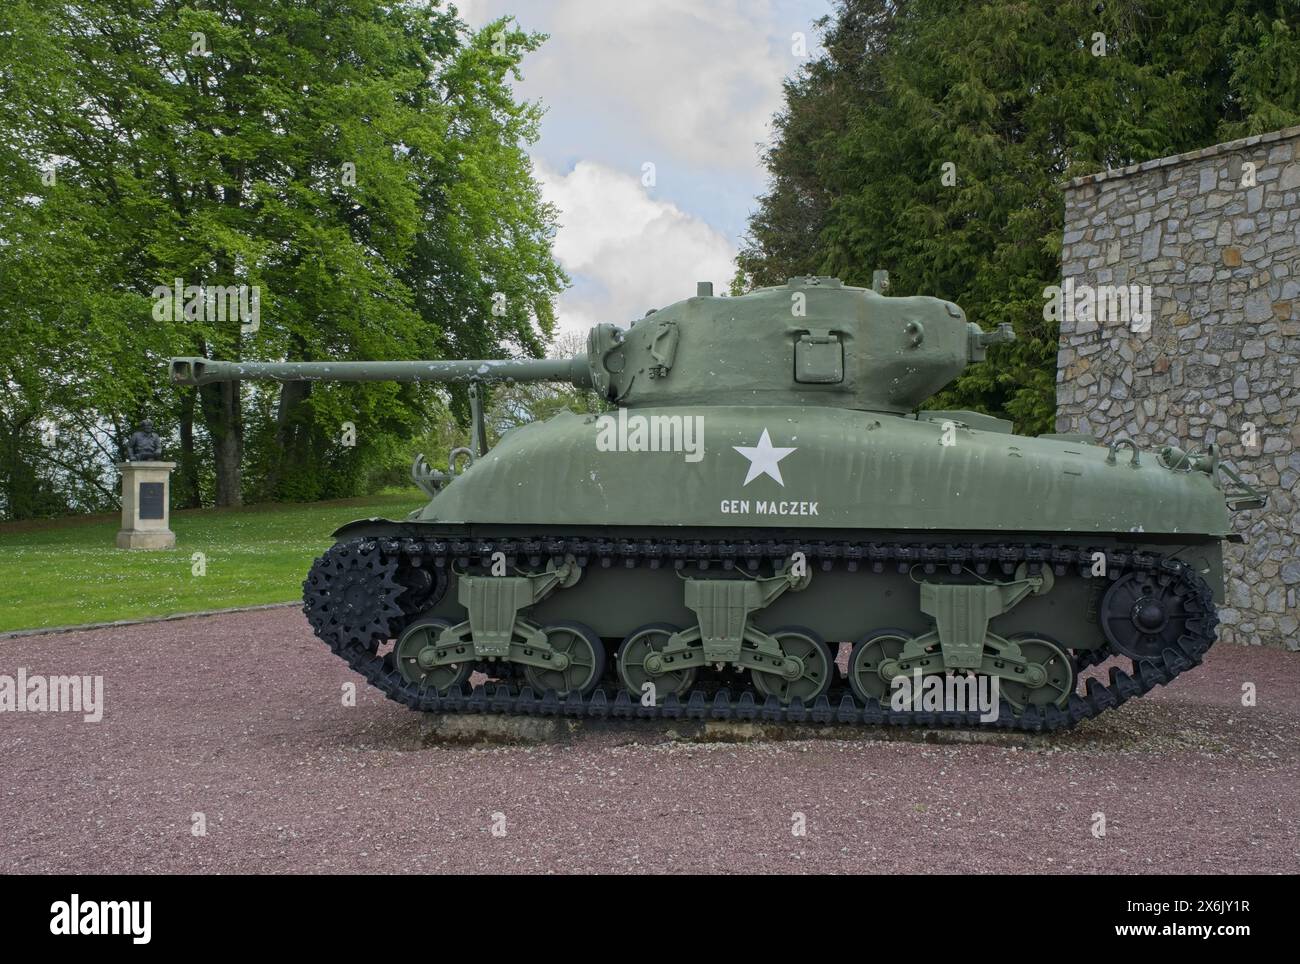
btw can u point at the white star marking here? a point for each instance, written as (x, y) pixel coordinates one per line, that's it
(763, 458)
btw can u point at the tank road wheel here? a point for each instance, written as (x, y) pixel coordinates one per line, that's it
(420, 637)
(631, 659)
(818, 667)
(586, 655)
(350, 597)
(1143, 613)
(864, 663)
(1049, 677)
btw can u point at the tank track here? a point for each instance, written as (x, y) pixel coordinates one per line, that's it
(837, 707)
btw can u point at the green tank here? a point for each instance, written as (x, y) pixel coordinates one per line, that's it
(765, 525)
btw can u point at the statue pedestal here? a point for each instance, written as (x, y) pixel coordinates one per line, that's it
(146, 506)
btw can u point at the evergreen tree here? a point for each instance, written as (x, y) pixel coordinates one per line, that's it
(1009, 100)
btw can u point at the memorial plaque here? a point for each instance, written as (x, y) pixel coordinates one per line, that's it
(151, 500)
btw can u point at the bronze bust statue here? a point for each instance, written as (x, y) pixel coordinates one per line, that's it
(144, 444)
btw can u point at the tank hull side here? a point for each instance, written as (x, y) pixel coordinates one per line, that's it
(829, 469)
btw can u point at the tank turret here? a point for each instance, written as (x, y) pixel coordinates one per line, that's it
(810, 342)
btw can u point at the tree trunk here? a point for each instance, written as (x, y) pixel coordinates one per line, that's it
(190, 495)
(288, 455)
(224, 419)
(17, 477)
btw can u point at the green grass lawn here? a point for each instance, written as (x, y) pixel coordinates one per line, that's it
(68, 571)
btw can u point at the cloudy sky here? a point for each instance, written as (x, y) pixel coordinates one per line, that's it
(688, 86)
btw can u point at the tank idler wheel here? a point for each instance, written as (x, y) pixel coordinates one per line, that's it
(1144, 613)
(413, 656)
(350, 597)
(818, 667)
(1049, 677)
(584, 661)
(645, 643)
(869, 653)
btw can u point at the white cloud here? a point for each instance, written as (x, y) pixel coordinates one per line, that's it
(626, 251)
(695, 82)
(687, 85)
(699, 80)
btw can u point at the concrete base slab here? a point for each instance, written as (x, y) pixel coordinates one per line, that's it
(479, 729)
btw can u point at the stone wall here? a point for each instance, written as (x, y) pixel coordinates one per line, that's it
(1220, 250)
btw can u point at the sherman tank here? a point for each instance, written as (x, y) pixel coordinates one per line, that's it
(766, 525)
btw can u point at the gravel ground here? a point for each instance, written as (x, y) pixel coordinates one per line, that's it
(240, 718)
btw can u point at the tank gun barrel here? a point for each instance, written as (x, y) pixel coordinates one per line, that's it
(205, 371)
